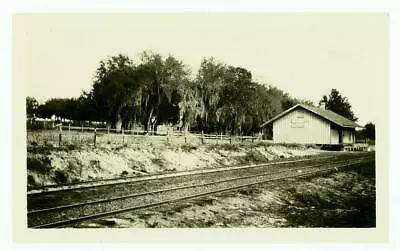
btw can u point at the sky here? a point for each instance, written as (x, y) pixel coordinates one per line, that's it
(304, 54)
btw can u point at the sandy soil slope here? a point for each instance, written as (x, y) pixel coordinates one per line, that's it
(52, 165)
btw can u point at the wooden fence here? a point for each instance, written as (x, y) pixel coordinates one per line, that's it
(67, 135)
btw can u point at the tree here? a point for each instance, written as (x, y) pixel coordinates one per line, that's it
(156, 89)
(32, 106)
(116, 87)
(148, 92)
(162, 82)
(369, 131)
(234, 110)
(87, 108)
(53, 106)
(209, 80)
(338, 104)
(190, 105)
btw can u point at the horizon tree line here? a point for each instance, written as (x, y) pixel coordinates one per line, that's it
(153, 90)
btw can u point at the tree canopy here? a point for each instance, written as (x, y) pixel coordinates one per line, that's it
(338, 104)
(151, 90)
(369, 131)
(31, 107)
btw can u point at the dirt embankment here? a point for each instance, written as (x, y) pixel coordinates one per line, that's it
(51, 165)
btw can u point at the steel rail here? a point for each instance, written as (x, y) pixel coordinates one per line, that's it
(99, 215)
(290, 169)
(124, 180)
(158, 191)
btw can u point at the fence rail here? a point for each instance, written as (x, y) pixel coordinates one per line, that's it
(66, 135)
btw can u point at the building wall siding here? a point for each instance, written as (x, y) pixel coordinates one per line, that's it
(303, 127)
(334, 136)
(348, 137)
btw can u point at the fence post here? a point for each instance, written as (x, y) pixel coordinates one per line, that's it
(81, 127)
(123, 136)
(108, 129)
(202, 136)
(59, 137)
(94, 139)
(167, 135)
(230, 138)
(221, 136)
(185, 137)
(69, 127)
(252, 138)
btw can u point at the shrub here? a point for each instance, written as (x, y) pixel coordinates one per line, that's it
(60, 177)
(255, 157)
(291, 145)
(41, 166)
(117, 148)
(71, 147)
(188, 148)
(31, 181)
(95, 165)
(159, 162)
(225, 147)
(40, 149)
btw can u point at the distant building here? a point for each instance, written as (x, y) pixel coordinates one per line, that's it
(305, 124)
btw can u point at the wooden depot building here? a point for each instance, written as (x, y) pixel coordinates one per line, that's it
(303, 124)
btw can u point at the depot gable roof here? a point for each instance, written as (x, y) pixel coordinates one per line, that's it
(325, 114)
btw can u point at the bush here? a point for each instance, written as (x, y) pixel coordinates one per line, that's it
(31, 181)
(95, 165)
(41, 166)
(188, 148)
(45, 150)
(255, 157)
(159, 162)
(225, 147)
(60, 177)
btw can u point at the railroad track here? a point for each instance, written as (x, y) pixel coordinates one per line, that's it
(69, 194)
(125, 180)
(69, 206)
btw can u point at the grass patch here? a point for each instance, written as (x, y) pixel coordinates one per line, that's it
(344, 199)
(42, 149)
(60, 177)
(253, 157)
(188, 148)
(71, 147)
(225, 147)
(138, 166)
(95, 165)
(40, 165)
(31, 181)
(46, 149)
(158, 162)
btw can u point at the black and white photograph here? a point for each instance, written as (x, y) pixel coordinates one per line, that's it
(263, 121)
(258, 120)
